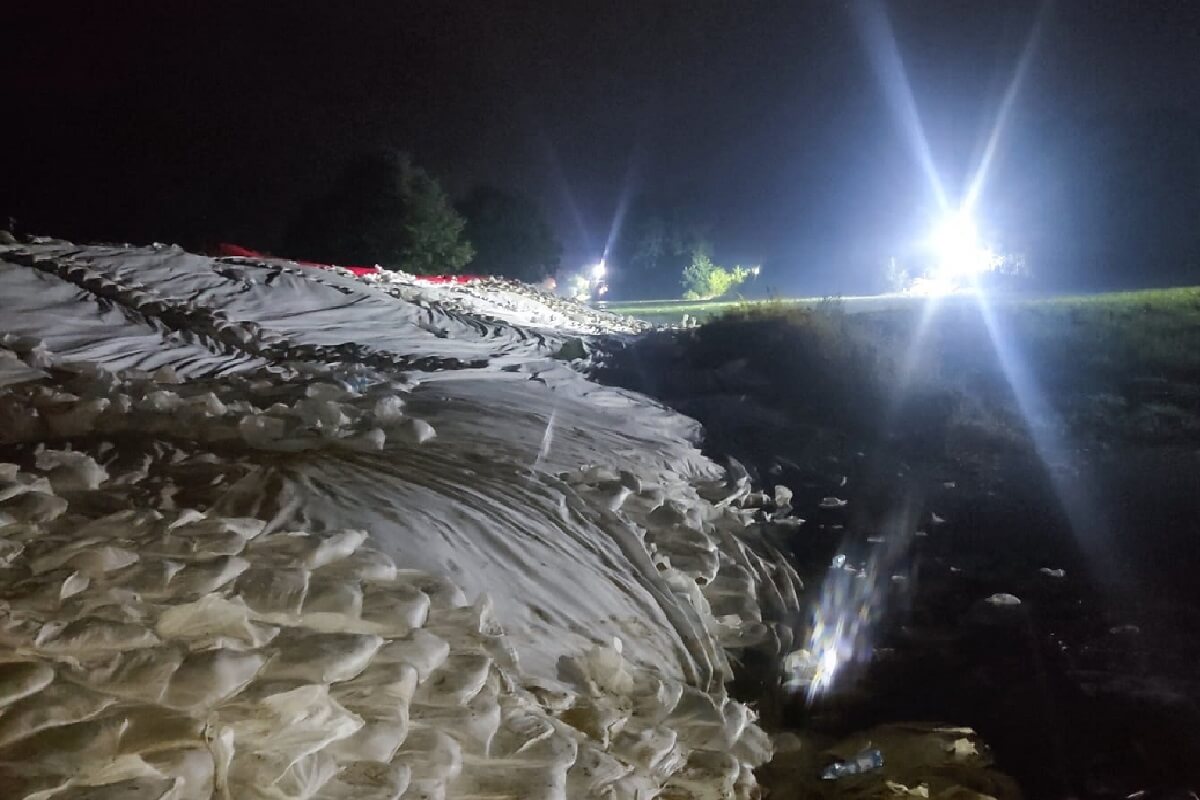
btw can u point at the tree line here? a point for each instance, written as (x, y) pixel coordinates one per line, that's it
(384, 209)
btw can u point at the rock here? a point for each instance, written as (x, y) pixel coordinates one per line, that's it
(166, 375)
(389, 408)
(22, 678)
(71, 471)
(571, 349)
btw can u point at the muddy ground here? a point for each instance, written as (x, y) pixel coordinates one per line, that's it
(1090, 687)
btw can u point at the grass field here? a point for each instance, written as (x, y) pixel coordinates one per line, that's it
(1055, 432)
(672, 311)
(1119, 362)
(1180, 303)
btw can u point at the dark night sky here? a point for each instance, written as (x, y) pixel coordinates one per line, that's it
(216, 121)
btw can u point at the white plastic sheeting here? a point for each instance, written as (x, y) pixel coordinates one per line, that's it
(254, 569)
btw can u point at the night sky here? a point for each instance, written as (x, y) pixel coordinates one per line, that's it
(203, 122)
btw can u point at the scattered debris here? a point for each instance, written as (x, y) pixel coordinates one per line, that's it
(787, 742)
(571, 349)
(866, 761)
(914, 761)
(962, 748)
(900, 790)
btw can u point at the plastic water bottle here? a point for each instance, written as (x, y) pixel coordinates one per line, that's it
(865, 761)
(356, 383)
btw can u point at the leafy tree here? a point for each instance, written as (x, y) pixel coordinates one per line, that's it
(705, 280)
(382, 210)
(509, 234)
(657, 240)
(897, 277)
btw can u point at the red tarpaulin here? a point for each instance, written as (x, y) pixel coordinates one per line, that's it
(237, 251)
(450, 278)
(355, 270)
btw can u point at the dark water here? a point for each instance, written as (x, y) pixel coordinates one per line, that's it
(1091, 686)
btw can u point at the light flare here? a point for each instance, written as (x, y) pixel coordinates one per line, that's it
(851, 602)
(1003, 113)
(880, 41)
(959, 253)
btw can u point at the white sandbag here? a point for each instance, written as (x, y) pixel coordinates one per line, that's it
(424, 651)
(58, 705)
(332, 604)
(35, 508)
(191, 767)
(431, 755)
(96, 561)
(275, 594)
(153, 729)
(368, 780)
(22, 678)
(79, 419)
(246, 527)
(376, 740)
(388, 409)
(275, 731)
(307, 550)
(394, 611)
(418, 431)
(206, 678)
(364, 564)
(325, 416)
(207, 576)
(213, 617)
(321, 657)
(10, 551)
(160, 402)
(456, 681)
(141, 675)
(91, 635)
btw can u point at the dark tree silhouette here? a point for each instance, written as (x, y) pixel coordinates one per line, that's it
(509, 235)
(382, 210)
(659, 238)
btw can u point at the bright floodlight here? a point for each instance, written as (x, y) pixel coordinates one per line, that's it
(959, 253)
(598, 270)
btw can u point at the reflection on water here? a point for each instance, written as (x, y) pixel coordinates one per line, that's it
(851, 603)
